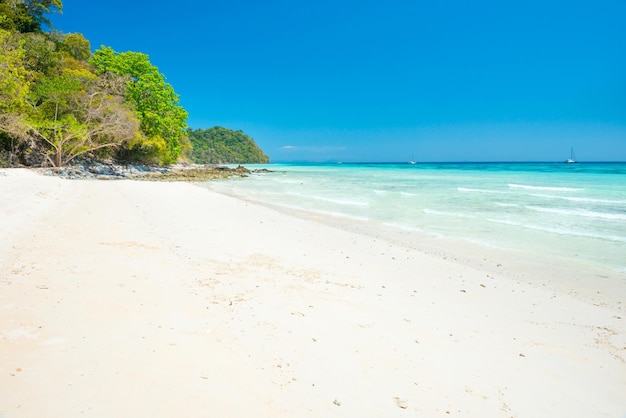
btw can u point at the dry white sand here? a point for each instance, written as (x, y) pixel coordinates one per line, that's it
(139, 299)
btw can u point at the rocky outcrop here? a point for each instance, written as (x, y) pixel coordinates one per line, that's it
(184, 172)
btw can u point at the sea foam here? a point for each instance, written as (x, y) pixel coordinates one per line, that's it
(554, 188)
(580, 212)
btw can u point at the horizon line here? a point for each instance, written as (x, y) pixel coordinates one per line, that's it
(451, 162)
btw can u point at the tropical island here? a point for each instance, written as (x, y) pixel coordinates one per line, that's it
(165, 298)
(61, 104)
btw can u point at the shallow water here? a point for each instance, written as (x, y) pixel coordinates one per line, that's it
(569, 211)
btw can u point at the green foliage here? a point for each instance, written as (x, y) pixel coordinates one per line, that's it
(17, 18)
(15, 79)
(143, 149)
(104, 60)
(53, 107)
(58, 101)
(75, 46)
(42, 56)
(26, 16)
(53, 95)
(66, 112)
(154, 100)
(76, 115)
(220, 145)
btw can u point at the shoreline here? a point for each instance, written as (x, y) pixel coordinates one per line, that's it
(95, 170)
(527, 209)
(596, 283)
(133, 298)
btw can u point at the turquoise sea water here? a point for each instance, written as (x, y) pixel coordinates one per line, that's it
(569, 211)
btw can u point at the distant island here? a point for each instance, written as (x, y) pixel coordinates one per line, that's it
(60, 103)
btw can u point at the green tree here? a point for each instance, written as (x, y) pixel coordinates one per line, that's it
(53, 107)
(72, 115)
(42, 56)
(163, 120)
(15, 82)
(75, 45)
(15, 78)
(27, 16)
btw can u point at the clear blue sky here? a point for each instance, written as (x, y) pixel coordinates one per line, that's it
(361, 80)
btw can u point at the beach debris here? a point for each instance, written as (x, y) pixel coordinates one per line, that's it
(336, 402)
(401, 403)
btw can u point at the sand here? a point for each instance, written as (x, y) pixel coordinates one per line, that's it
(144, 299)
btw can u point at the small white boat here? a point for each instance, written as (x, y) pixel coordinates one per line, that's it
(571, 158)
(412, 161)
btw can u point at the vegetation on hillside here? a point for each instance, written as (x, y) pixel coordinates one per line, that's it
(221, 145)
(162, 120)
(59, 101)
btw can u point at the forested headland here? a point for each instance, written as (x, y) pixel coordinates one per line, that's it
(60, 102)
(220, 145)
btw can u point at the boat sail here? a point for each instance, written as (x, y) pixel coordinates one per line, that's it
(571, 158)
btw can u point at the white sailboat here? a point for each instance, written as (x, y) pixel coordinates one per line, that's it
(571, 158)
(412, 161)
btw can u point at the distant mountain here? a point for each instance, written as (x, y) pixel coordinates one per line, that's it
(219, 145)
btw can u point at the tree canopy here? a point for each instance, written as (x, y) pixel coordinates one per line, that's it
(54, 108)
(220, 145)
(27, 15)
(156, 103)
(62, 113)
(58, 101)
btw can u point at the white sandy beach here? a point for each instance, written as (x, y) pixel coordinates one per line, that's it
(144, 299)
